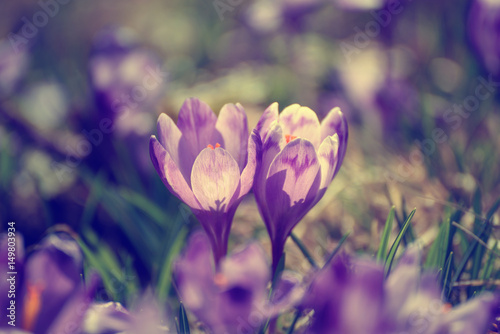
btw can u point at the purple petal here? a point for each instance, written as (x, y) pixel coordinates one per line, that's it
(291, 187)
(301, 122)
(52, 276)
(232, 125)
(269, 116)
(249, 265)
(292, 184)
(242, 284)
(335, 122)
(253, 162)
(197, 123)
(327, 155)
(194, 274)
(71, 317)
(215, 179)
(365, 296)
(171, 139)
(170, 174)
(472, 317)
(273, 144)
(288, 292)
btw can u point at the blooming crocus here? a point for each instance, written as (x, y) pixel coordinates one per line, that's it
(232, 298)
(351, 295)
(207, 162)
(484, 33)
(50, 295)
(300, 158)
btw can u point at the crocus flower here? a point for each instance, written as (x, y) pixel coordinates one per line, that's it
(49, 291)
(484, 33)
(208, 163)
(300, 158)
(234, 297)
(351, 295)
(126, 79)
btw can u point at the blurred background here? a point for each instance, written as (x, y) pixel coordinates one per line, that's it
(82, 84)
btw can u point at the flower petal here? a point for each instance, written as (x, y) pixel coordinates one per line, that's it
(301, 122)
(327, 155)
(292, 184)
(242, 283)
(335, 122)
(52, 277)
(215, 179)
(268, 117)
(473, 317)
(253, 162)
(194, 275)
(176, 146)
(197, 123)
(170, 174)
(233, 126)
(273, 144)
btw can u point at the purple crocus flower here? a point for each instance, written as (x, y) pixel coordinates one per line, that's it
(351, 295)
(300, 158)
(484, 33)
(51, 297)
(126, 78)
(233, 298)
(208, 163)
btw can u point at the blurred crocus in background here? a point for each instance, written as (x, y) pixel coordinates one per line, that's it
(207, 162)
(300, 158)
(484, 33)
(234, 297)
(13, 66)
(52, 297)
(126, 78)
(351, 295)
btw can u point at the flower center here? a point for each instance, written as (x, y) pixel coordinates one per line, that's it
(289, 138)
(446, 308)
(220, 280)
(217, 145)
(32, 306)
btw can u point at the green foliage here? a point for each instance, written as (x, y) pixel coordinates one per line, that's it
(395, 245)
(384, 241)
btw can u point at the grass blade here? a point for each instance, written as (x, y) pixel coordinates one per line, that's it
(384, 241)
(336, 250)
(183, 321)
(304, 250)
(395, 245)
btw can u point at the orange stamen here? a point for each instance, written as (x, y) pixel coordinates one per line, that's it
(217, 145)
(289, 138)
(32, 306)
(220, 280)
(446, 308)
